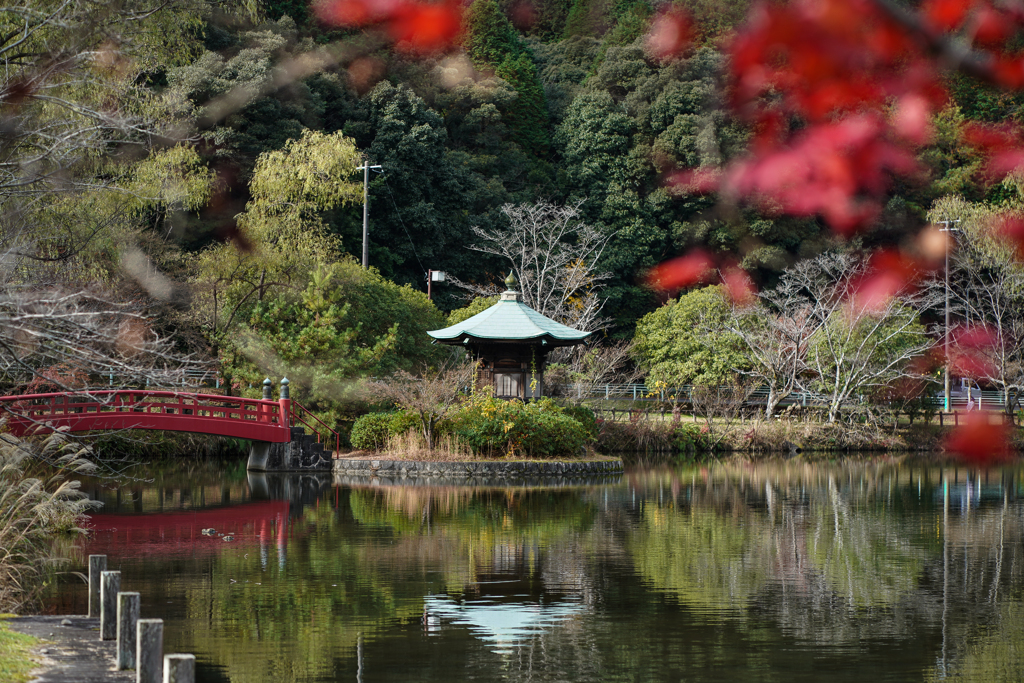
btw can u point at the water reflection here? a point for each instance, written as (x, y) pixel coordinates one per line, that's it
(756, 571)
(503, 625)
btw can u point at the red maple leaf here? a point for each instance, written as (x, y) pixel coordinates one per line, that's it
(839, 171)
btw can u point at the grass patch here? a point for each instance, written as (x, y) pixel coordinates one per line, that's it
(15, 654)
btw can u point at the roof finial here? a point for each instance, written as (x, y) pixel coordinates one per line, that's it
(510, 294)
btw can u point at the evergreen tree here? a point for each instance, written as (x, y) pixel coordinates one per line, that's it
(492, 43)
(528, 115)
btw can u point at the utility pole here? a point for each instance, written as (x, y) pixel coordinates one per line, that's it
(365, 168)
(949, 231)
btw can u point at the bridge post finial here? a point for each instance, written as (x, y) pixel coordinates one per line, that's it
(268, 390)
(284, 388)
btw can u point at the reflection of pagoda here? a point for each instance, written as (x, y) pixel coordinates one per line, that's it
(510, 341)
(501, 624)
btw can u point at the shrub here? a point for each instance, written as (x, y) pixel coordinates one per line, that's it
(642, 434)
(688, 438)
(371, 431)
(404, 421)
(539, 429)
(585, 416)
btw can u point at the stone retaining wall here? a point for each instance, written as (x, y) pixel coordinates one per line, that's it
(509, 481)
(544, 472)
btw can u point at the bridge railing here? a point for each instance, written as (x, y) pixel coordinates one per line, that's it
(43, 408)
(323, 433)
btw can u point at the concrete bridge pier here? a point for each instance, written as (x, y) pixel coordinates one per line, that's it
(299, 488)
(259, 456)
(301, 454)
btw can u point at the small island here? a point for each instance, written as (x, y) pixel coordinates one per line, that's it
(485, 413)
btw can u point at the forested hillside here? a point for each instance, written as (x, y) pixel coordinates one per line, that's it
(195, 162)
(570, 106)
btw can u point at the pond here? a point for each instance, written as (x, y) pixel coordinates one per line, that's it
(780, 571)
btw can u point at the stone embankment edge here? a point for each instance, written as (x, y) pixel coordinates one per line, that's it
(490, 469)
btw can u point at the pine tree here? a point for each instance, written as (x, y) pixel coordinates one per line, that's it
(492, 43)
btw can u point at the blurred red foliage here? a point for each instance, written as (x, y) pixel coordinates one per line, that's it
(840, 93)
(693, 268)
(978, 442)
(738, 286)
(1011, 228)
(698, 267)
(670, 34)
(890, 273)
(413, 26)
(837, 170)
(969, 354)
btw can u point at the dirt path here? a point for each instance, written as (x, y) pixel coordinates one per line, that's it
(72, 651)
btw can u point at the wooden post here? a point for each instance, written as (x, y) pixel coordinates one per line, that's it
(286, 404)
(110, 584)
(179, 668)
(97, 564)
(150, 651)
(127, 616)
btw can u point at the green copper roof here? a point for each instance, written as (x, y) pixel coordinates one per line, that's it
(509, 320)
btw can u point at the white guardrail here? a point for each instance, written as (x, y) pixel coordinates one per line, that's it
(188, 377)
(641, 392)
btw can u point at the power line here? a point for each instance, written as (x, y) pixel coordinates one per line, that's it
(399, 214)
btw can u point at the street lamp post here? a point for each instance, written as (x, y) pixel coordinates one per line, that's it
(433, 276)
(946, 387)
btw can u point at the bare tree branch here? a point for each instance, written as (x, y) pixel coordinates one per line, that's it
(554, 255)
(433, 395)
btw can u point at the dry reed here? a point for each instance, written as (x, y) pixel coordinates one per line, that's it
(36, 503)
(412, 446)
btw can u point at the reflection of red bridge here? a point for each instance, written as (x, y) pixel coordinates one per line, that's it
(179, 534)
(244, 418)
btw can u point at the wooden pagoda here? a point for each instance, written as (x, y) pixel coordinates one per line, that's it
(510, 342)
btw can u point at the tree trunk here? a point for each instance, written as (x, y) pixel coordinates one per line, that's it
(771, 403)
(430, 433)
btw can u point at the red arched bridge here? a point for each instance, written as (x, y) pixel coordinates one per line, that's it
(267, 421)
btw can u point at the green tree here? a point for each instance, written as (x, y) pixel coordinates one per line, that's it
(633, 121)
(687, 341)
(477, 305)
(427, 198)
(346, 324)
(281, 238)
